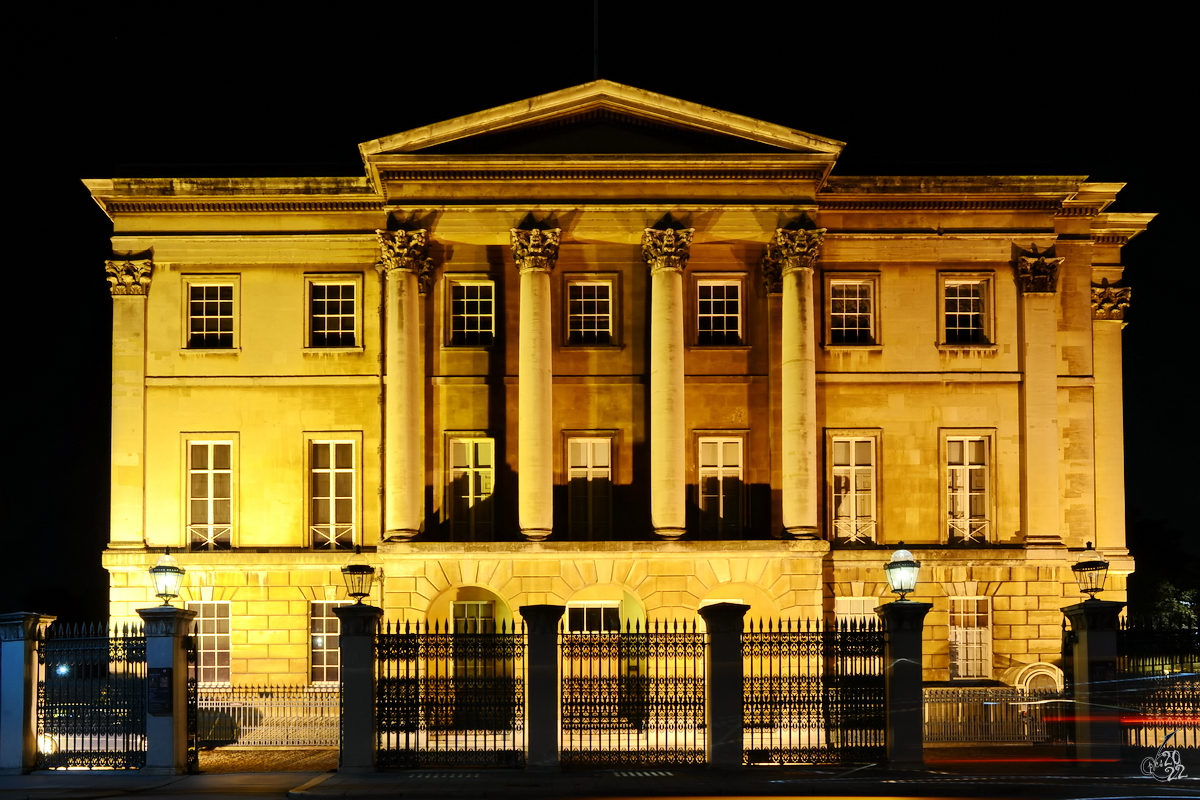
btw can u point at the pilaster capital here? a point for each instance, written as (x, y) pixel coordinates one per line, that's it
(1110, 302)
(129, 275)
(666, 248)
(1037, 273)
(406, 251)
(788, 250)
(535, 248)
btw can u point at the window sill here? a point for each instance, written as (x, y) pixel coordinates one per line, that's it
(729, 348)
(320, 350)
(851, 348)
(588, 346)
(211, 350)
(968, 348)
(469, 347)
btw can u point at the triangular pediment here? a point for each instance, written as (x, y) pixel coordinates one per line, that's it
(601, 117)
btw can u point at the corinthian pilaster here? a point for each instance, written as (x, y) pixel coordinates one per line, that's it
(666, 252)
(129, 282)
(535, 253)
(1110, 302)
(791, 255)
(129, 276)
(402, 262)
(1037, 273)
(1109, 306)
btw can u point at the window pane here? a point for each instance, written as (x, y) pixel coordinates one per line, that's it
(863, 452)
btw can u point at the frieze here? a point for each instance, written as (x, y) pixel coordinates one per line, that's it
(788, 250)
(1110, 302)
(535, 248)
(129, 276)
(1037, 272)
(599, 174)
(406, 251)
(666, 248)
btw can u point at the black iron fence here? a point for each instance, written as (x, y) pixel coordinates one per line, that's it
(450, 699)
(634, 696)
(1157, 683)
(813, 692)
(269, 716)
(91, 704)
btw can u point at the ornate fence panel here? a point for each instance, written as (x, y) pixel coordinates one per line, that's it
(297, 716)
(634, 697)
(91, 709)
(1158, 684)
(813, 692)
(450, 699)
(994, 714)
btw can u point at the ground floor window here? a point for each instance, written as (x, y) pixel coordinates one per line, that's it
(970, 638)
(212, 641)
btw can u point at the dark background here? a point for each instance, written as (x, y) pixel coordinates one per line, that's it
(915, 90)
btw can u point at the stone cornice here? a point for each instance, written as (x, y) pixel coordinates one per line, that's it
(1110, 302)
(517, 171)
(129, 276)
(405, 251)
(241, 206)
(1037, 273)
(666, 248)
(790, 250)
(535, 248)
(927, 203)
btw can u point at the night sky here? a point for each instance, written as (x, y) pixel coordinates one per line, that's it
(104, 93)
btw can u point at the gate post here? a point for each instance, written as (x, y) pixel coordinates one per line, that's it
(19, 633)
(1097, 727)
(166, 681)
(542, 685)
(724, 684)
(902, 692)
(356, 645)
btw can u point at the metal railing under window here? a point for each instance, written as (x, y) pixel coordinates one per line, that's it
(992, 714)
(963, 530)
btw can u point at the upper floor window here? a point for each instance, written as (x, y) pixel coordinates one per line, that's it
(332, 313)
(589, 312)
(472, 312)
(968, 506)
(472, 472)
(589, 476)
(210, 495)
(211, 316)
(719, 312)
(212, 641)
(851, 317)
(966, 313)
(332, 478)
(852, 495)
(720, 480)
(970, 638)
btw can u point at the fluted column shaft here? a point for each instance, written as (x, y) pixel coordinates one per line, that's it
(535, 252)
(666, 251)
(129, 281)
(402, 258)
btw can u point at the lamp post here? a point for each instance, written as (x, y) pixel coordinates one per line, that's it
(167, 576)
(904, 620)
(358, 575)
(1090, 572)
(902, 573)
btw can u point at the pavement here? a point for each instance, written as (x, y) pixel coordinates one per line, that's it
(953, 772)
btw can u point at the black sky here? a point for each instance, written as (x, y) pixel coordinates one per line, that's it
(913, 90)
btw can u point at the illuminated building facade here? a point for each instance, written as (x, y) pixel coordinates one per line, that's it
(621, 352)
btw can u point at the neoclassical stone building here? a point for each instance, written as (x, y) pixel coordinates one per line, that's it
(622, 352)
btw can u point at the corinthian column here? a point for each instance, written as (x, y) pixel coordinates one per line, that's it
(793, 253)
(666, 251)
(129, 281)
(402, 262)
(535, 252)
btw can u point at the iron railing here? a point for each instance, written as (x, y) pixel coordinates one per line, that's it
(1158, 683)
(813, 692)
(990, 715)
(91, 709)
(274, 716)
(450, 699)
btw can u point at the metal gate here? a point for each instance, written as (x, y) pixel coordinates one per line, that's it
(814, 692)
(633, 697)
(450, 699)
(91, 709)
(272, 716)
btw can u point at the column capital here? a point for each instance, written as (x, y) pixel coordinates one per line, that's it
(406, 251)
(1110, 302)
(1037, 271)
(535, 248)
(666, 248)
(790, 249)
(129, 275)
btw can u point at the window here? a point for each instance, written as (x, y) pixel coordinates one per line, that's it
(212, 641)
(332, 478)
(855, 609)
(852, 501)
(472, 313)
(472, 471)
(719, 313)
(332, 313)
(967, 501)
(589, 312)
(851, 312)
(970, 638)
(325, 627)
(720, 480)
(211, 314)
(473, 659)
(966, 316)
(589, 490)
(210, 495)
(594, 617)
